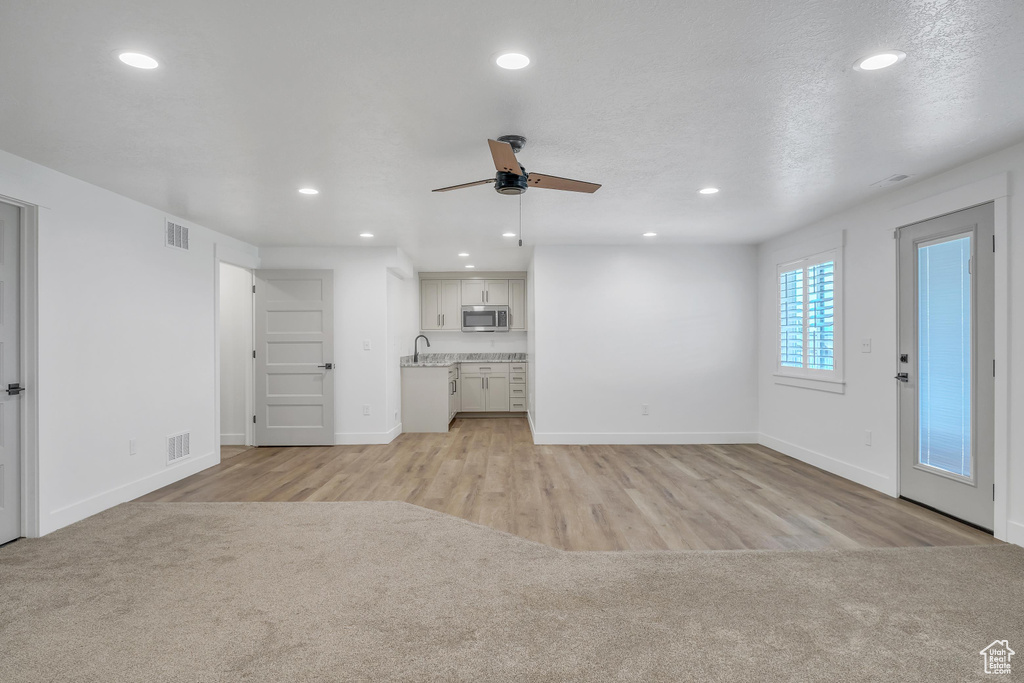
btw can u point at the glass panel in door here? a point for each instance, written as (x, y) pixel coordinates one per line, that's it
(944, 356)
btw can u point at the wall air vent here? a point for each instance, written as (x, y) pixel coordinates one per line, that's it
(891, 180)
(175, 235)
(177, 447)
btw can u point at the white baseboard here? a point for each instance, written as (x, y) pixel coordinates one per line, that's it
(1015, 533)
(367, 438)
(232, 439)
(75, 512)
(533, 430)
(641, 438)
(873, 480)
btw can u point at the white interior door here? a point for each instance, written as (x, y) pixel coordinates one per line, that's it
(946, 364)
(294, 321)
(10, 373)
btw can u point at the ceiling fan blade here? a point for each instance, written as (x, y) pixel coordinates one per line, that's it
(553, 182)
(504, 157)
(459, 187)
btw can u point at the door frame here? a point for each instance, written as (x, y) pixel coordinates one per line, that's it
(995, 190)
(29, 322)
(248, 262)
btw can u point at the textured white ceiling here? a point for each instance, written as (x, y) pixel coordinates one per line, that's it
(376, 103)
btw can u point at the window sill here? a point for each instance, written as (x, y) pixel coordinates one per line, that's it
(828, 385)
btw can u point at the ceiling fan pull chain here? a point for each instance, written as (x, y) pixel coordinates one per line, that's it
(520, 220)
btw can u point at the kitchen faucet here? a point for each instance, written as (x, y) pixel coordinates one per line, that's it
(415, 347)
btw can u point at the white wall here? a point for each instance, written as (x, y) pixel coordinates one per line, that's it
(671, 327)
(126, 343)
(360, 314)
(468, 342)
(828, 429)
(235, 353)
(403, 314)
(531, 344)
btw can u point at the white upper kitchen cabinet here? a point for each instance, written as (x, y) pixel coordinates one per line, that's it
(485, 292)
(430, 304)
(517, 304)
(451, 305)
(440, 302)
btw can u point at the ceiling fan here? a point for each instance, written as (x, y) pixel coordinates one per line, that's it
(512, 178)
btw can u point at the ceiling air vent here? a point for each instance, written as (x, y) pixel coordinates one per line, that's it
(891, 180)
(177, 447)
(176, 235)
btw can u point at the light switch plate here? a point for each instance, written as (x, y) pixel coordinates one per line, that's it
(366, 345)
(865, 345)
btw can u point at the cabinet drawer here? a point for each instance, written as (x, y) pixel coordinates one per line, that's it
(498, 369)
(517, 391)
(517, 377)
(517, 405)
(518, 368)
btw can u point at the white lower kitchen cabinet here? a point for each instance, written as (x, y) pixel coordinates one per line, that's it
(426, 399)
(433, 395)
(474, 398)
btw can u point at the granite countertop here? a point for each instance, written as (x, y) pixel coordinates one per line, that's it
(443, 360)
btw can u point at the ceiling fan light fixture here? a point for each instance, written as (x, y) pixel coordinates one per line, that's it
(512, 61)
(881, 60)
(138, 60)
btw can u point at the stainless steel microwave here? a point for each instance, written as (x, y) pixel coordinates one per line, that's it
(485, 318)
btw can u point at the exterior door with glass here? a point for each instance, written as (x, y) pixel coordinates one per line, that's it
(946, 364)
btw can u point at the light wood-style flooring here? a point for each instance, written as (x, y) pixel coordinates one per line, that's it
(587, 497)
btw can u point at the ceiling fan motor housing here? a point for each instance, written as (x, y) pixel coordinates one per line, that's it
(510, 183)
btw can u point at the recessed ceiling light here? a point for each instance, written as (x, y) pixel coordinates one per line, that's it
(463, 254)
(469, 266)
(650, 234)
(508, 234)
(709, 190)
(366, 234)
(880, 61)
(308, 190)
(138, 60)
(513, 60)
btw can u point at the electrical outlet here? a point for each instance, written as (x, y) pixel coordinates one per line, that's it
(132, 450)
(366, 409)
(865, 345)
(366, 345)
(867, 437)
(644, 409)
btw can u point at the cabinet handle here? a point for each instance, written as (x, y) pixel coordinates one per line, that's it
(442, 320)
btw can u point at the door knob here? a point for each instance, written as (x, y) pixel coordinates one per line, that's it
(327, 366)
(903, 377)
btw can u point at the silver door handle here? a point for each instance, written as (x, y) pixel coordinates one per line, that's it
(903, 377)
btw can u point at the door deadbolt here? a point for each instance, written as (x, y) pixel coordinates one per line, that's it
(327, 366)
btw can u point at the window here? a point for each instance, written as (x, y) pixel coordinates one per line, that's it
(809, 327)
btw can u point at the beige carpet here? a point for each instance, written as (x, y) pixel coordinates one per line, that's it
(295, 592)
